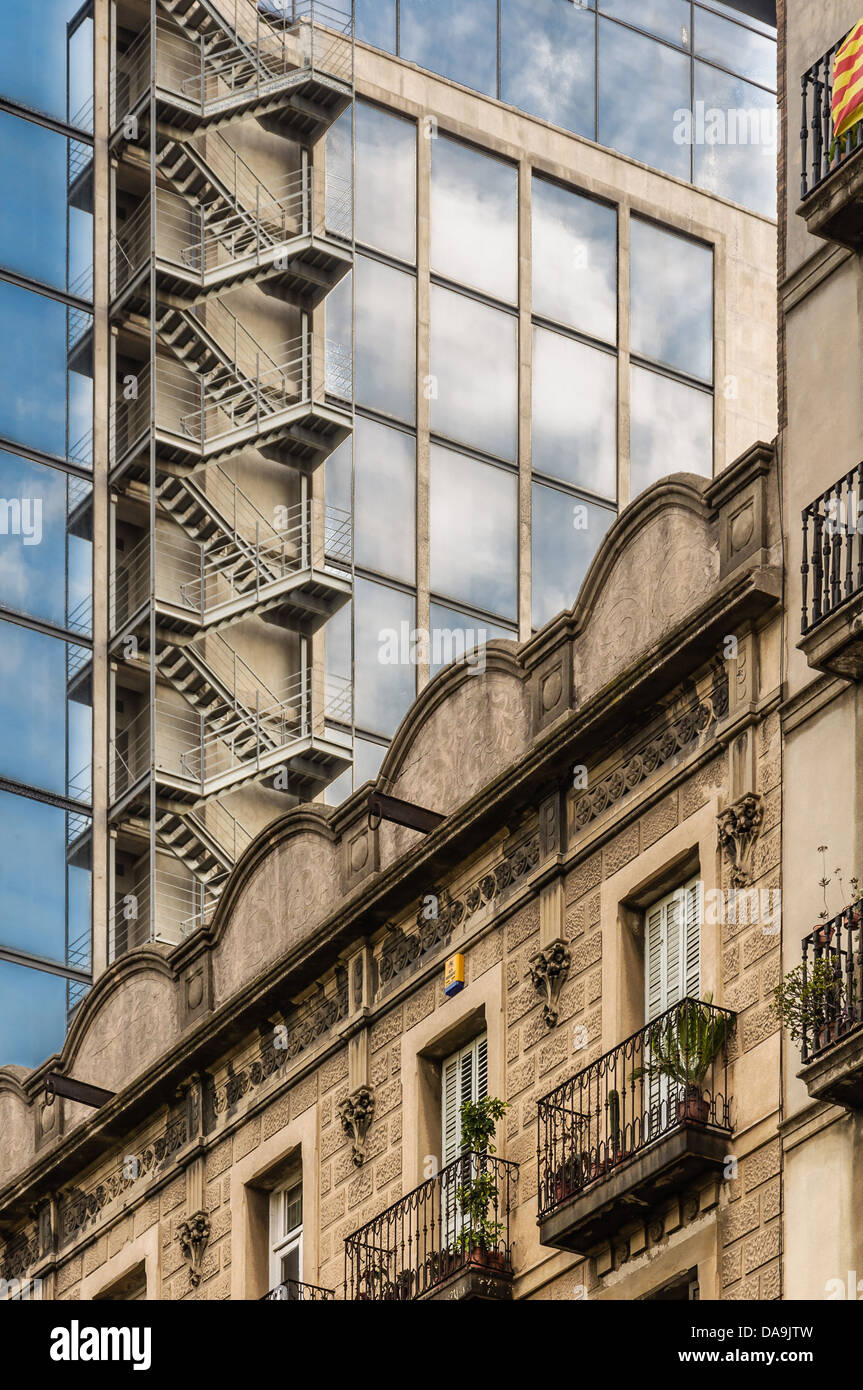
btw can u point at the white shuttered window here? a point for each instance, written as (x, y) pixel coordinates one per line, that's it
(464, 1076)
(672, 966)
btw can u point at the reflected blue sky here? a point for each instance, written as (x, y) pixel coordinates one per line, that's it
(385, 193)
(455, 39)
(446, 623)
(743, 172)
(474, 532)
(671, 297)
(731, 46)
(376, 23)
(33, 576)
(33, 374)
(32, 1015)
(574, 260)
(671, 429)
(547, 61)
(574, 413)
(641, 85)
(565, 535)
(32, 746)
(474, 371)
(32, 879)
(33, 215)
(668, 19)
(384, 688)
(33, 56)
(474, 219)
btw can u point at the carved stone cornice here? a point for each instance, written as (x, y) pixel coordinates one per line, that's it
(356, 1112)
(738, 826)
(548, 969)
(193, 1236)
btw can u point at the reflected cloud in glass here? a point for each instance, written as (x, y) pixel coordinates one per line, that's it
(574, 413)
(574, 260)
(751, 55)
(547, 63)
(742, 165)
(474, 372)
(33, 224)
(384, 497)
(33, 519)
(455, 635)
(668, 19)
(384, 657)
(33, 875)
(474, 532)
(671, 297)
(32, 743)
(565, 535)
(455, 39)
(474, 220)
(33, 372)
(671, 430)
(376, 23)
(386, 182)
(642, 84)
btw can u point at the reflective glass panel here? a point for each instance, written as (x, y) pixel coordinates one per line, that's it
(455, 39)
(671, 297)
(384, 497)
(459, 637)
(731, 46)
(385, 339)
(574, 413)
(642, 84)
(385, 656)
(547, 61)
(574, 260)
(565, 535)
(33, 171)
(386, 182)
(759, 14)
(473, 529)
(735, 152)
(32, 1015)
(33, 879)
(34, 408)
(42, 512)
(32, 704)
(671, 429)
(668, 19)
(34, 50)
(474, 219)
(474, 373)
(376, 23)
(367, 760)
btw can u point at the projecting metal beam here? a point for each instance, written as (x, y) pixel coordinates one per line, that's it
(402, 813)
(80, 1091)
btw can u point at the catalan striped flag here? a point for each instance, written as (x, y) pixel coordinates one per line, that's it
(848, 83)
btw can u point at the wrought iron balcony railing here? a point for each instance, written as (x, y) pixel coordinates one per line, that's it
(435, 1233)
(292, 1291)
(830, 557)
(833, 981)
(820, 154)
(670, 1074)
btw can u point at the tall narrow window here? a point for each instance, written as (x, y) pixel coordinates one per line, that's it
(464, 1077)
(286, 1237)
(672, 968)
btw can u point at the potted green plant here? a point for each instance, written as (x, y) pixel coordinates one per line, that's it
(806, 1002)
(682, 1049)
(617, 1153)
(480, 1236)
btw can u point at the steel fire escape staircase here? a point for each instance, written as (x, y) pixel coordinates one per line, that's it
(210, 225)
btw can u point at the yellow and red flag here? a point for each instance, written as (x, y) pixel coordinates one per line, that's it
(848, 83)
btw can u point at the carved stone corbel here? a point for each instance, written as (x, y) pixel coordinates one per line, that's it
(548, 969)
(193, 1236)
(738, 826)
(356, 1112)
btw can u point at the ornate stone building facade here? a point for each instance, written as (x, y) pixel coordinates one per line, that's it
(282, 1087)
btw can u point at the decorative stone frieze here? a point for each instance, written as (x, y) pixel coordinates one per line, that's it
(548, 969)
(193, 1235)
(356, 1112)
(738, 826)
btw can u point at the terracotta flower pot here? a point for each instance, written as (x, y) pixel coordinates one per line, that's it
(694, 1107)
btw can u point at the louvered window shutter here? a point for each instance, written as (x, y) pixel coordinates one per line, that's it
(672, 971)
(464, 1077)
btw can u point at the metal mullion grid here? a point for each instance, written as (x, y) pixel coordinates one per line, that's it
(152, 461)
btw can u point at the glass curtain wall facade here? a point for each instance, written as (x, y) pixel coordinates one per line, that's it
(581, 472)
(46, 552)
(638, 76)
